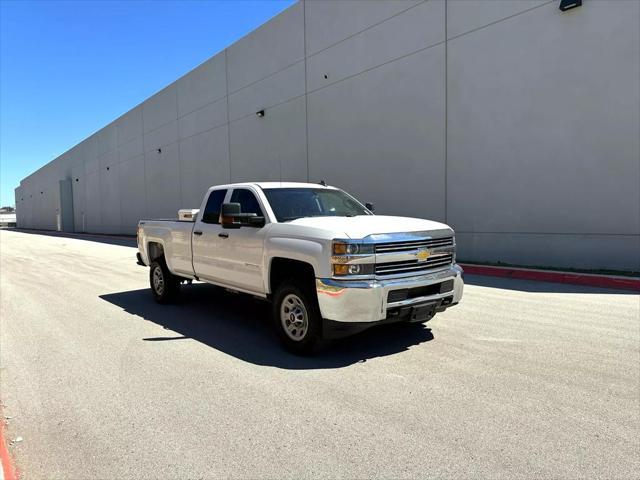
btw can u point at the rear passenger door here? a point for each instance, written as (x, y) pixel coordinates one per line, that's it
(208, 254)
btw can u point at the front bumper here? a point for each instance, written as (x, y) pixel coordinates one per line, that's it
(365, 301)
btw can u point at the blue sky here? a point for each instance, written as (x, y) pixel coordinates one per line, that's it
(69, 68)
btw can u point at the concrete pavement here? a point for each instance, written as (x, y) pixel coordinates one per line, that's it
(522, 379)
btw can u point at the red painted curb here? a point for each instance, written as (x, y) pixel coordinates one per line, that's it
(572, 278)
(5, 457)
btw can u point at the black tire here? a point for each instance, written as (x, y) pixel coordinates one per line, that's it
(303, 310)
(165, 286)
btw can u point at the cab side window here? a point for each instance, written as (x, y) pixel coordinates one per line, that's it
(247, 200)
(212, 209)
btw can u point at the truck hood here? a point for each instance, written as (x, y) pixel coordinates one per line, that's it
(365, 225)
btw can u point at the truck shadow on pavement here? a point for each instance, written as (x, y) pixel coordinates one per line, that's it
(240, 325)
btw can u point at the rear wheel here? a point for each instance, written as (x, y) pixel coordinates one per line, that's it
(165, 286)
(296, 318)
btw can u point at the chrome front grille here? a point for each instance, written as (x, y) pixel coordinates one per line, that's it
(434, 262)
(398, 247)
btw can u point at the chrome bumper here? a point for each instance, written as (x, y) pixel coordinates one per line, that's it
(366, 300)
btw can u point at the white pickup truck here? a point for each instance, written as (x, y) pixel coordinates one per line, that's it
(329, 266)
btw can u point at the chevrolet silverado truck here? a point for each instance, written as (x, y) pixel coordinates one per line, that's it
(328, 264)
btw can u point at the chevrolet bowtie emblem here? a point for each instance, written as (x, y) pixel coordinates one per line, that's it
(423, 255)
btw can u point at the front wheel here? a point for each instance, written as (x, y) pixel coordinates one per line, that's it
(164, 285)
(296, 318)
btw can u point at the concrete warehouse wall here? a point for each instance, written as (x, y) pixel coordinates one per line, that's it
(512, 121)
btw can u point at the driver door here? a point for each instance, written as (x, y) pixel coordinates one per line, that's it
(243, 247)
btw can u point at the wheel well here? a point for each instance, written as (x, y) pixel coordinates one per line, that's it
(155, 251)
(283, 268)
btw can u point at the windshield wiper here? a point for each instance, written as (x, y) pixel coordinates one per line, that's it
(289, 219)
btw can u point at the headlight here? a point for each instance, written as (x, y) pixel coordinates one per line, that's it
(348, 248)
(339, 248)
(351, 258)
(342, 269)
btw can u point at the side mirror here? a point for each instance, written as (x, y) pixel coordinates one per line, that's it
(231, 216)
(254, 221)
(371, 207)
(230, 210)
(228, 214)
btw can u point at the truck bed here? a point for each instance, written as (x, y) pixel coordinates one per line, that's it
(175, 235)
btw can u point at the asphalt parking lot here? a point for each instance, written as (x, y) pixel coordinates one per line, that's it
(521, 380)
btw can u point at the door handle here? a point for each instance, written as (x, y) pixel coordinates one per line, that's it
(223, 235)
(197, 232)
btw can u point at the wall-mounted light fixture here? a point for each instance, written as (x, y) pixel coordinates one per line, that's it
(260, 113)
(569, 4)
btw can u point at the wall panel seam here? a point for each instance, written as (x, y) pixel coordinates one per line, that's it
(501, 20)
(304, 59)
(271, 106)
(195, 110)
(266, 77)
(446, 113)
(363, 30)
(178, 149)
(226, 73)
(189, 112)
(117, 162)
(144, 166)
(186, 114)
(159, 127)
(199, 133)
(306, 97)
(266, 106)
(401, 57)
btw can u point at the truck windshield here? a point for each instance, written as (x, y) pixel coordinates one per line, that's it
(292, 203)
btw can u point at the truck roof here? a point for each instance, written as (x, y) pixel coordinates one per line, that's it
(267, 185)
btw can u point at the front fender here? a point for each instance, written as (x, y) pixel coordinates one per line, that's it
(309, 251)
